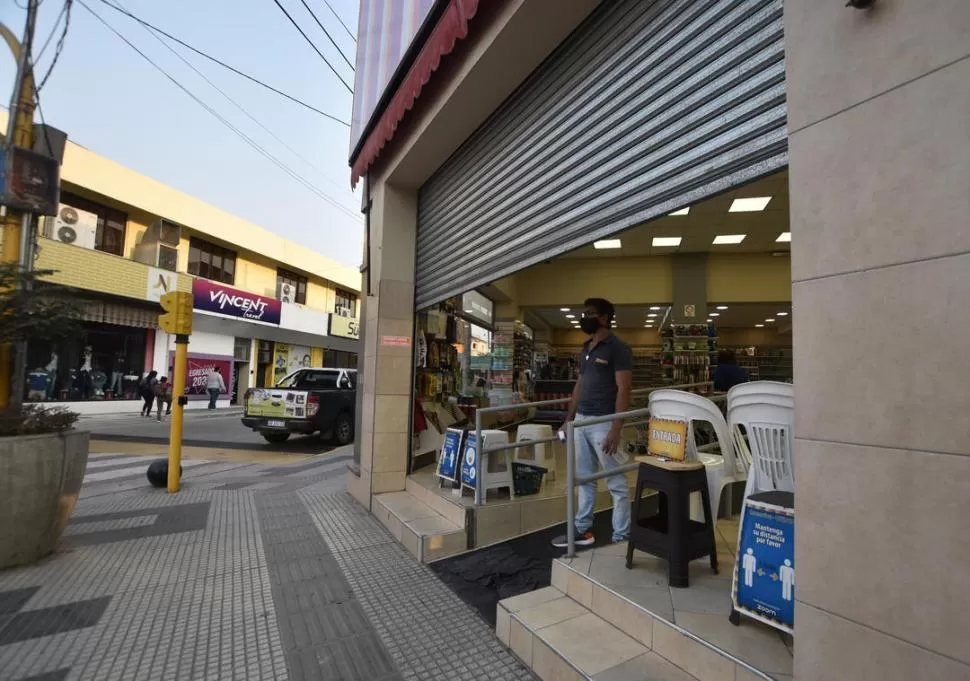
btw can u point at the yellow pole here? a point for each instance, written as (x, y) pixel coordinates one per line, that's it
(178, 406)
(22, 127)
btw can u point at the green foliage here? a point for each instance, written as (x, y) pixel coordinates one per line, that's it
(33, 419)
(32, 309)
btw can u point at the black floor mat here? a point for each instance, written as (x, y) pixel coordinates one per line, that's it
(484, 577)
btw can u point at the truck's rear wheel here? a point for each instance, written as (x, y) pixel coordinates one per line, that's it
(343, 430)
(276, 438)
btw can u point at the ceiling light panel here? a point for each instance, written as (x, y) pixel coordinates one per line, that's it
(682, 211)
(666, 241)
(784, 238)
(749, 205)
(607, 244)
(728, 239)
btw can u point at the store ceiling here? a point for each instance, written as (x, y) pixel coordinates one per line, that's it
(708, 219)
(635, 316)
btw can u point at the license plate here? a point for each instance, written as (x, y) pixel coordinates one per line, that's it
(276, 424)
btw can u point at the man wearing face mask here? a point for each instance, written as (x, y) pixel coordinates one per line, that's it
(603, 388)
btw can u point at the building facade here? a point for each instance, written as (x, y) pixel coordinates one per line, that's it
(511, 134)
(263, 305)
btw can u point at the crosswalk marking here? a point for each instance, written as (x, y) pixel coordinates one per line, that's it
(138, 467)
(106, 461)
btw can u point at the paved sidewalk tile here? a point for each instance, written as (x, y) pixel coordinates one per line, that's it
(251, 572)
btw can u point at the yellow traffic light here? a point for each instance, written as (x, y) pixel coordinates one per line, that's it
(178, 312)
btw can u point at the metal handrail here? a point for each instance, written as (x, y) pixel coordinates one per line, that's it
(479, 460)
(571, 479)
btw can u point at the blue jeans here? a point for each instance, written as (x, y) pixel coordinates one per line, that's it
(590, 441)
(213, 396)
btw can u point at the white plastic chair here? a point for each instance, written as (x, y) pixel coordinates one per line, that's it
(542, 454)
(722, 469)
(768, 417)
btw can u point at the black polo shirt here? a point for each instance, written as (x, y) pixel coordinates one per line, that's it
(597, 369)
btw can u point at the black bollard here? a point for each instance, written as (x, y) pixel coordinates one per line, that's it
(158, 473)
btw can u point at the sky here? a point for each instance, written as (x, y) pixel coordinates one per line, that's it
(111, 101)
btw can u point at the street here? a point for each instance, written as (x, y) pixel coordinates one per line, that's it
(202, 428)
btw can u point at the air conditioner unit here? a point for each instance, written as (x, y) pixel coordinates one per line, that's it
(72, 226)
(157, 255)
(342, 311)
(287, 293)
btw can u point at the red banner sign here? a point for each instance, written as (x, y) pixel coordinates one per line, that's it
(198, 368)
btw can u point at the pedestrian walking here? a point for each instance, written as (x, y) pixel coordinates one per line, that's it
(214, 385)
(163, 396)
(147, 391)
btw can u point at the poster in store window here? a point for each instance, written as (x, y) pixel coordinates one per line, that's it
(198, 368)
(450, 456)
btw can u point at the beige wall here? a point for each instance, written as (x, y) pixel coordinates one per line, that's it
(255, 272)
(880, 171)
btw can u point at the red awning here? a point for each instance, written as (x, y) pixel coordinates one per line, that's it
(451, 27)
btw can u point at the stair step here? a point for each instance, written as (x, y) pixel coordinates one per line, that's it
(454, 512)
(579, 629)
(561, 639)
(423, 531)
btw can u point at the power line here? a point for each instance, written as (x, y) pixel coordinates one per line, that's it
(60, 43)
(327, 33)
(315, 48)
(252, 143)
(52, 34)
(330, 7)
(234, 102)
(224, 64)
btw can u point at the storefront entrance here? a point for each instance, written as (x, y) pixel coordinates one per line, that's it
(705, 286)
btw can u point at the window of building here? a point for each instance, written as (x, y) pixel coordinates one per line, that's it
(211, 262)
(112, 223)
(290, 286)
(347, 300)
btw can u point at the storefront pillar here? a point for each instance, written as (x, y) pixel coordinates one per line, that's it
(383, 420)
(879, 170)
(690, 288)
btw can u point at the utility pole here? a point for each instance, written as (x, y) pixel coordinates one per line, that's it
(17, 225)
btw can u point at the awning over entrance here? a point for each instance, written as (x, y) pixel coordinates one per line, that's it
(451, 27)
(122, 314)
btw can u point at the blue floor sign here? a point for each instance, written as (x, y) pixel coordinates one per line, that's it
(764, 576)
(469, 460)
(450, 454)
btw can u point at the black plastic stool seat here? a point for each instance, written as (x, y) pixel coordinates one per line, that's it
(671, 534)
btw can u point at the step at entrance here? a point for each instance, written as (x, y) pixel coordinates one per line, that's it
(423, 531)
(577, 629)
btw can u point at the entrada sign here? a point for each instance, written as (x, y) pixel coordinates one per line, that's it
(667, 438)
(211, 296)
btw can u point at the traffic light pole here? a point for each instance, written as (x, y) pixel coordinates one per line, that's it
(178, 391)
(20, 128)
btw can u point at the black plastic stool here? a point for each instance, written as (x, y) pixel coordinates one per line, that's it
(671, 534)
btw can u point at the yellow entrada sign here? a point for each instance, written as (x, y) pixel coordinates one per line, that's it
(668, 439)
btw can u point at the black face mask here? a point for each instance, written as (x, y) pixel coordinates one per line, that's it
(589, 325)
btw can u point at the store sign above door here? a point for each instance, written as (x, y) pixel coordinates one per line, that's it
(211, 296)
(344, 327)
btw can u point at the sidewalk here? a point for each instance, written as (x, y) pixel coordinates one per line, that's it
(251, 572)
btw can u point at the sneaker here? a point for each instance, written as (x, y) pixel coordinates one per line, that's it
(584, 539)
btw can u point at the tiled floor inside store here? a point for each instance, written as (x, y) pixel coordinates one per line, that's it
(702, 608)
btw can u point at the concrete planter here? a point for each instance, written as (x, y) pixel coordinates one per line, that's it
(40, 478)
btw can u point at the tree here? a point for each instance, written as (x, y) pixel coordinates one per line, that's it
(32, 309)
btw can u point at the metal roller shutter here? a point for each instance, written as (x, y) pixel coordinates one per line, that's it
(647, 107)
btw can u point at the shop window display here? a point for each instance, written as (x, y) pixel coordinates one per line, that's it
(102, 362)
